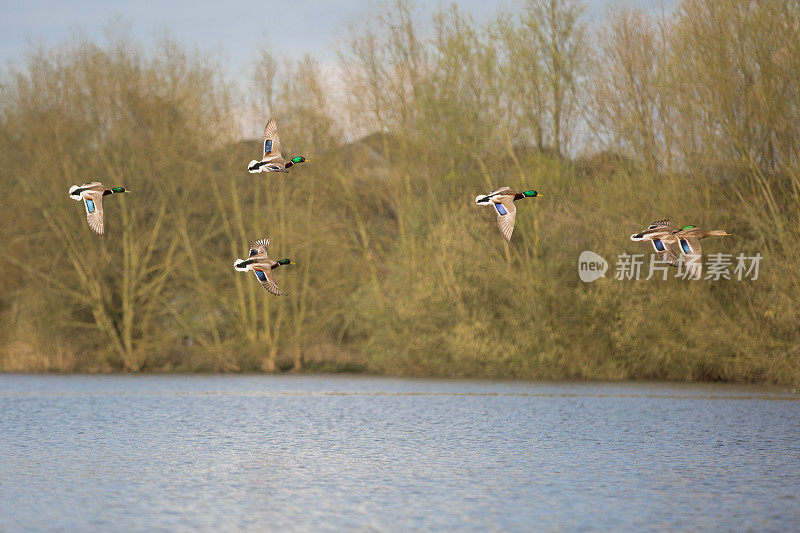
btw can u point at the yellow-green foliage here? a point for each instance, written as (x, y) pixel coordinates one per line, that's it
(691, 116)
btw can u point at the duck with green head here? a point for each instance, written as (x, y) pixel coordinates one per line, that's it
(502, 200)
(689, 243)
(271, 160)
(262, 266)
(91, 194)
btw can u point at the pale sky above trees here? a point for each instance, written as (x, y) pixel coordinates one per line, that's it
(233, 31)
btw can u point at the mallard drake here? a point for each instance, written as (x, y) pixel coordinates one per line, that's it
(503, 201)
(662, 235)
(689, 240)
(92, 196)
(272, 161)
(262, 266)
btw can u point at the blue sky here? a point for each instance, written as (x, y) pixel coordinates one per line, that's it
(233, 31)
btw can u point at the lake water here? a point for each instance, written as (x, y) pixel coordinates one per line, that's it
(121, 453)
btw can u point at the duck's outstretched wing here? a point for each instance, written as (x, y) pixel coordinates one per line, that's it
(665, 223)
(654, 230)
(692, 256)
(93, 203)
(665, 252)
(259, 247)
(506, 216)
(267, 280)
(272, 144)
(502, 190)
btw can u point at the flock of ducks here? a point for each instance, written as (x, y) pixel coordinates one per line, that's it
(502, 200)
(91, 194)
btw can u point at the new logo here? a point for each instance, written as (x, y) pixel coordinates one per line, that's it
(591, 266)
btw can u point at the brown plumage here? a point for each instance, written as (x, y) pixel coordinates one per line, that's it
(507, 214)
(91, 194)
(662, 236)
(688, 239)
(262, 266)
(271, 159)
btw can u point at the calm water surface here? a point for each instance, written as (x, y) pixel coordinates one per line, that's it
(330, 453)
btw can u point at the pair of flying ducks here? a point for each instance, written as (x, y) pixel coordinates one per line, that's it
(663, 237)
(91, 194)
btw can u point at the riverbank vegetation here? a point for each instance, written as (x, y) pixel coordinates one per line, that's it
(691, 115)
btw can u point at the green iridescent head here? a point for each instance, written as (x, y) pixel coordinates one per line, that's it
(286, 262)
(531, 194)
(299, 159)
(688, 227)
(119, 189)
